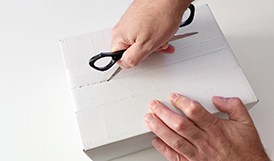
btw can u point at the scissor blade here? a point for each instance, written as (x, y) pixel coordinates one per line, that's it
(115, 73)
(180, 36)
(175, 37)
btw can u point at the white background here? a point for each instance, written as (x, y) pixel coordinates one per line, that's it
(37, 121)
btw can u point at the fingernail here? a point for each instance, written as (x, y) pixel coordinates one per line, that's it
(121, 64)
(220, 99)
(149, 117)
(164, 47)
(131, 63)
(174, 96)
(153, 104)
(155, 142)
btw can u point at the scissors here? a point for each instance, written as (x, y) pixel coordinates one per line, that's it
(117, 55)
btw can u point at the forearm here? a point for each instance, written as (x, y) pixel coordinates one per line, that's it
(175, 6)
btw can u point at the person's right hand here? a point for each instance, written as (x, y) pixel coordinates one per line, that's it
(145, 27)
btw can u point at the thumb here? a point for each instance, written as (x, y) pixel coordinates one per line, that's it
(116, 46)
(133, 55)
(234, 107)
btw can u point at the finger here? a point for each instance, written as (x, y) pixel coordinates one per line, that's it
(117, 47)
(123, 65)
(194, 111)
(163, 47)
(169, 50)
(166, 151)
(234, 107)
(172, 139)
(117, 44)
(177, 122)
(133, 55)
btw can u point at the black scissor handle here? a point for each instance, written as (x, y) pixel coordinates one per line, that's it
(115, 56)
(190, 17)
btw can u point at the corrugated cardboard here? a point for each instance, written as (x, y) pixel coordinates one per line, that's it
(110, 114)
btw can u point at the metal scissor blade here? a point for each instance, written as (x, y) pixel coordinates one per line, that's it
(115, 73)
(180, 36)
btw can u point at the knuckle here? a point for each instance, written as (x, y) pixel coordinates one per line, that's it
(164, 149)
(180, 126)
(192, 108)
(191, 154)
(204, 144)
(179, 144)
(195, 136)
(194, 103)
(183, 147)
(176, 157)
(146, 45)
(130, 62)
(237, 101)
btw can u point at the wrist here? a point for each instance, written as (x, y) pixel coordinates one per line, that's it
(181, 5)
(261, 156)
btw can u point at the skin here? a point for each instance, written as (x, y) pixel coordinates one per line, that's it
(200, 136)
(145, 27)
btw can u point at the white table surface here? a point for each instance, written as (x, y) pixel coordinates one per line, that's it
(37, 119)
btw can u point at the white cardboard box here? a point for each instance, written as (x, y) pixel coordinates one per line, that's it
(110, 114)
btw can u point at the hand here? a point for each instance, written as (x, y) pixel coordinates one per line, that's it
(145, 27)
(200, 136)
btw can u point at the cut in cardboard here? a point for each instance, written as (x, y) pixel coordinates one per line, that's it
(110, 114)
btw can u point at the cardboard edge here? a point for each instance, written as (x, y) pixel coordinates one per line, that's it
(251, 104)
(247, 105)
(142, 142)
(134, 144)
(122, 148)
